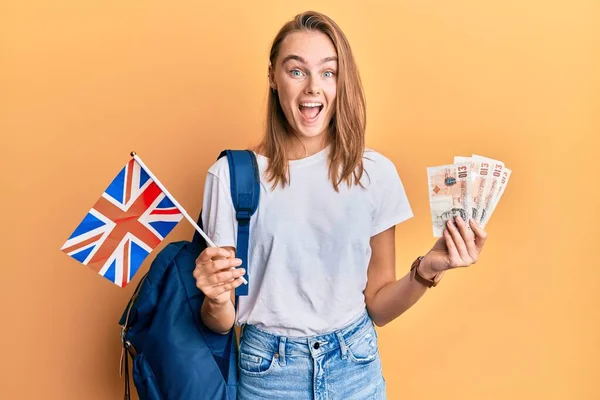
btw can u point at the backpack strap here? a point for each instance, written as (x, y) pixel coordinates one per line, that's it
(245, 193)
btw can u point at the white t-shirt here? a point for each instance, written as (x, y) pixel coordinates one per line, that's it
(309, 245)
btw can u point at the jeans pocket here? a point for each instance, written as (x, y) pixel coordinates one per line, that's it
(256, 362)
(362, 347)
(144, 379)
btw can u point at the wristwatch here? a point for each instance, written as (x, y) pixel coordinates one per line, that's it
(414, 268)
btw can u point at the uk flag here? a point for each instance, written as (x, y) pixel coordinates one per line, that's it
(130, 219)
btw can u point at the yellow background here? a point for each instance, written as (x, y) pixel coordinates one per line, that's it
(82, 83)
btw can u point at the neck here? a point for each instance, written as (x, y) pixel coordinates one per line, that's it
(297, 147)
(305, 147)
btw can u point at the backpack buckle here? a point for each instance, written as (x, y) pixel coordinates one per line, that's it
(243, 216)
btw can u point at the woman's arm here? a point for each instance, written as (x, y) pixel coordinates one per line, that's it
(387, 297)
(218, 317)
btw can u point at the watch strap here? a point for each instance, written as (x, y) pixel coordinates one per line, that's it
(420, 278)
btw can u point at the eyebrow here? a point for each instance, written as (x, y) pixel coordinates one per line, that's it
(301, 60)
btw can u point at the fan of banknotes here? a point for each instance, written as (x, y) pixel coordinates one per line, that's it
(471, 187)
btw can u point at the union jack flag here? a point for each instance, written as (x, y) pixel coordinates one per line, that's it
(128, 221)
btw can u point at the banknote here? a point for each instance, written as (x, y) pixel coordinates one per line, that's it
(482, 183)
(462, 159)
(491, 190)
(506, 172)
(449, 194)
(472, 183)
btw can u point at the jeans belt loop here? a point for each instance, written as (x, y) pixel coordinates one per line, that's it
(282, 342)
(343, 346)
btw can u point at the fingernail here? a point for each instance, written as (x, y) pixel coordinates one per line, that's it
(449, 222)
(242, 271)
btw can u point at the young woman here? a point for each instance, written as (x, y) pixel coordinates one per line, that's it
(322, 245)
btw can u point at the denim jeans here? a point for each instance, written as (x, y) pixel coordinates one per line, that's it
(341, 365)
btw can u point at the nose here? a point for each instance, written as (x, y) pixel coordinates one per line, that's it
(312, 87)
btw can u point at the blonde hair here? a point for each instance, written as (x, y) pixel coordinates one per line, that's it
(348, 123)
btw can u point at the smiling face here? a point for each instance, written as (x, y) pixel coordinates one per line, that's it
(305, 78)
(317, 100)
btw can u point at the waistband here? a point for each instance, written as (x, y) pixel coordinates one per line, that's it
(313, 345)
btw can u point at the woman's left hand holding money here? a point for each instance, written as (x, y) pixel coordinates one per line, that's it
(458, 247)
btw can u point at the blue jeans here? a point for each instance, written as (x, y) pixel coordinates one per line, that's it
(341, 365)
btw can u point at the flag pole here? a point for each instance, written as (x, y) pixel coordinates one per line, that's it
(176, 203)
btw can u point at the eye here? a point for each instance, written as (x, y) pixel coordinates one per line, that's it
(296, 73)
(329, 74)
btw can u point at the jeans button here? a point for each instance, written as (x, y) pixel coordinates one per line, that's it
(316, 346)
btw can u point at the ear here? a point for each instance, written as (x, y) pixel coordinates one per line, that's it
(272, 83)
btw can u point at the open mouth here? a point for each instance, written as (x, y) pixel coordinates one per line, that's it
(310, 111)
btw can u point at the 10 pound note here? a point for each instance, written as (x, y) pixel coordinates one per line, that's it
(449, 194)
